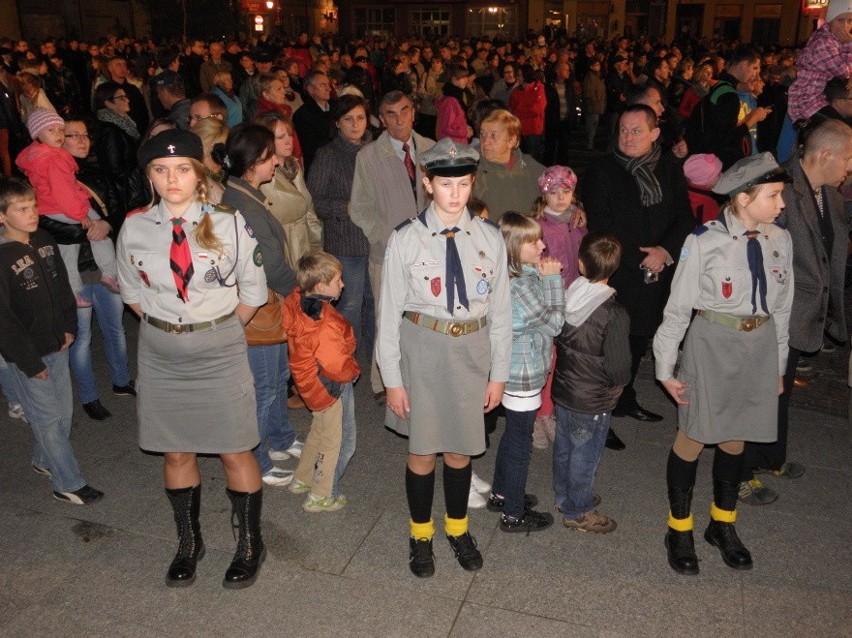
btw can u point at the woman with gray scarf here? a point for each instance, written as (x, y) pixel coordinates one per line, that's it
(116, 143)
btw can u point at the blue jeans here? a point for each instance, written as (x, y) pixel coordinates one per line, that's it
(577, 451)
(49, 406)
(347, 442)
(513, 461)
(356, 302)
(109, 309)
(7, 382)
(271, 370)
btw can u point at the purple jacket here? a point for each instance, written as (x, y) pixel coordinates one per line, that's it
(563, 243)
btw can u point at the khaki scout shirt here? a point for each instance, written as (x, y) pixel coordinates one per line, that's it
(414, 280)
(146, 277)
(713, 274)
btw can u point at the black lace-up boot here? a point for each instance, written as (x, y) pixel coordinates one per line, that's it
(186, 503)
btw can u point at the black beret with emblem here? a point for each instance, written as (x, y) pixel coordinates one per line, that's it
(171, 143)
(449, 159)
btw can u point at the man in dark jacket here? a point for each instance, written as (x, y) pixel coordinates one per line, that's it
(714, 125)
(560, 115)
(638, 193)
(313, 120)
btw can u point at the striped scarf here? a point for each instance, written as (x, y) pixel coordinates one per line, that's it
(642, 169)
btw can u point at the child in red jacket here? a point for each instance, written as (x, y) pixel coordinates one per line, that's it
(322, 361)
(527, 103)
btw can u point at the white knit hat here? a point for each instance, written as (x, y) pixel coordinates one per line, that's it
(42, 119)
(836, 8)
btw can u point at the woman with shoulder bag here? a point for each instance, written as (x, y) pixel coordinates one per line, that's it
(250, 161)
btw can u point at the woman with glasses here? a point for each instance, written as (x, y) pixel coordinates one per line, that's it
(116, 143)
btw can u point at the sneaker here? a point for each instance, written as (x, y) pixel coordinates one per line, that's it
(754, 492)
(421, 560)
(531, 521)
(44, 471)
(464, 547)
(278, 455)
(804, 367)
(299, 487)
(789, 470)
(295, 450)
(475, 500)
(82, 302)
(593, 522)
(828, 347)
(478, 484)
(83, 496)
(324, 503)
(128, 390)
(110, 283)
(16, 411)
(495, 502)
(278, 477)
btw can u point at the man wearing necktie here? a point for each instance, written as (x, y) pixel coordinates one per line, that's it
(387, 189)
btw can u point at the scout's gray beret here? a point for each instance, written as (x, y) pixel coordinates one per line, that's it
(450, 159)
(750, 171)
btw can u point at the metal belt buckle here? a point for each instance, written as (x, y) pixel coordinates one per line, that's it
(456, 329)
(749, 324)
(178, 329)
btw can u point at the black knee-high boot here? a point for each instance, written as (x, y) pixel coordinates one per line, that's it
(721, 532)
(186, 503)
(680, 478)
(250, 549)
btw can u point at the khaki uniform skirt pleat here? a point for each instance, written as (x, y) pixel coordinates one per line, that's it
(196, 391)
(733, 383)
(446, 378)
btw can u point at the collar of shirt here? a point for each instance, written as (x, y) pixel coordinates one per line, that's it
(191, 215)
(735, 226)
(436, 225)
(397, 147)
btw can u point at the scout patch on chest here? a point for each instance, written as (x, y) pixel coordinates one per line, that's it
(727, 287)
(435, 286)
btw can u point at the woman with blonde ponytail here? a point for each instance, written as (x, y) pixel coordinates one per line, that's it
(191, 271)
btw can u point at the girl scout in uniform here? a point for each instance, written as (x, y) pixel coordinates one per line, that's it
(192, 273)
(445, 308)
(737, 273)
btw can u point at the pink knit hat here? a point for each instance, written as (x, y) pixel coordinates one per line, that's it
(557, 177)
(42, 119)
(702, 169)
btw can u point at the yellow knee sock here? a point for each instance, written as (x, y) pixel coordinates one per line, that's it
(455, 526)
(422, 531)
(722, 516)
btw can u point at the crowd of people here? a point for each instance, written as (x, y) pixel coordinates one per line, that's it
(277, 214)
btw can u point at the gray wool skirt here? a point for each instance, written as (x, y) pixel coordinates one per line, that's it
(196, 391)
(733, 383)
(446, 378)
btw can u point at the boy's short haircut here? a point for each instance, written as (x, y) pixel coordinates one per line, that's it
(316, 267)
(601, 255)
(12, 190)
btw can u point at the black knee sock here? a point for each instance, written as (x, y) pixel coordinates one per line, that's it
(680, 473)
(680, 477)
(727, 469)
(420, 488)
(456, 490)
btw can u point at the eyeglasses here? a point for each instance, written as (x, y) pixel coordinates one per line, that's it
(82, 136)
(119, 97)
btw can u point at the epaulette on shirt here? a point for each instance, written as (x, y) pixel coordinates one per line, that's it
(699, 230)
(406, 223)
(487, 221)
(224, 208)
(144, 209)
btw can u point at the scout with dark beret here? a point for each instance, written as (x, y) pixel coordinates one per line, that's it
(737, 272)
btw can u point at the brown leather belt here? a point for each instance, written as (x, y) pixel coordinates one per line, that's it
(180, 328)
(445, 326)
(746, 324)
